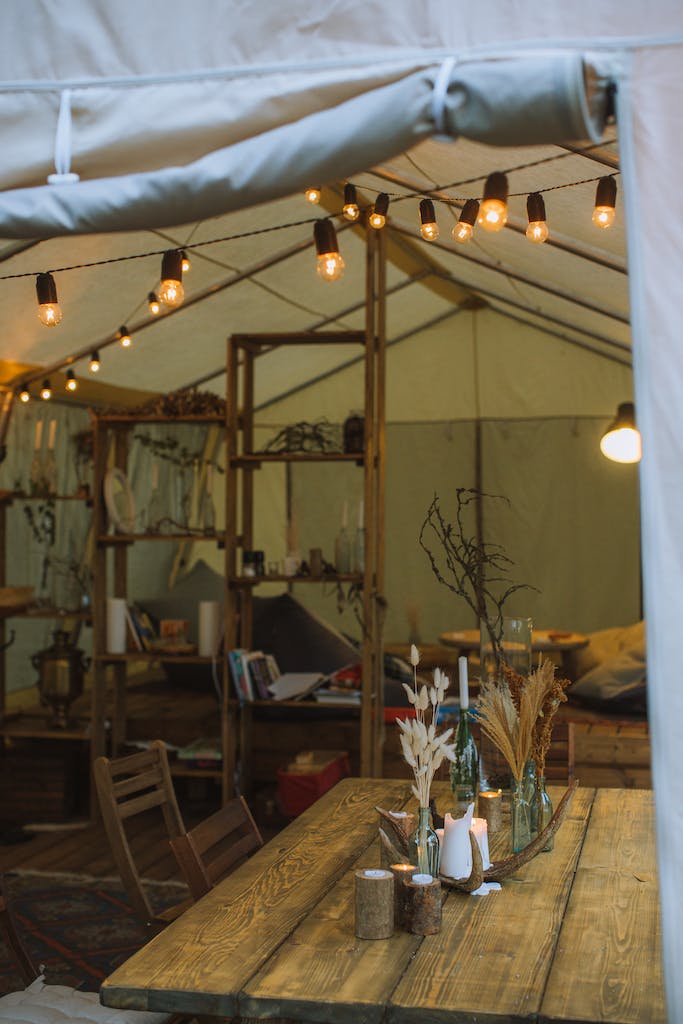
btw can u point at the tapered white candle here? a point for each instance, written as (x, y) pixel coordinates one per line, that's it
(39, 433)
(480, 829)
(464, 691)
(52, 435)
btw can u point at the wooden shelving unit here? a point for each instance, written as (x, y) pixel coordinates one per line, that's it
(243, 462)
(112, 433)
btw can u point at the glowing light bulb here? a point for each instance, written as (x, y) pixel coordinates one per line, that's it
(95, 362)
(24, 394)
(312, 196)
(186, 265)
(171, 291)
(429, 229)
(71, 382)
(351, 210)
(493, 212)
(330, 265)
(49, 310)
(378, 217)
(153, 304)
(124, 337)
(621, 442)
(46, 391)
(537, 231)
(463, 230)
(605, 201)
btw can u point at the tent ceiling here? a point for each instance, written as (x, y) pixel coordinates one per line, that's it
(575, 286)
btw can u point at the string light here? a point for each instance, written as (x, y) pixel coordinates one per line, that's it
(95, 362)
(537, 231)
(312, 195)
(124, 337)
(186, 265)
(24, 393)
(493, 212)
(153, 304)
(49, 311)
(429, 229)
(378, 217)
(46, 390)
(330, 264)
(71, 382)
(351, 209)
(462, 232)
(171, 291)
(605, 201)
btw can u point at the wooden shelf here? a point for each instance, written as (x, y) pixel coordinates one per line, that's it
(51, 613)
(113, 539)
(132, 418)
(251, 581)
(37, 727)
(180, 659)
(256, 458)
(20, 496)
(178, 769)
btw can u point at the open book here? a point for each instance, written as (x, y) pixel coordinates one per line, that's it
(294, 685)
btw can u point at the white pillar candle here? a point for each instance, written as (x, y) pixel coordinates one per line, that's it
(456, 852)
(480, 829)
(464, 691)
(208, 628)
(52, 435)
(116, 625)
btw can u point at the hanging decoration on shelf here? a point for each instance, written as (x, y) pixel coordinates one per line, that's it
(185, 402)
(303, 437)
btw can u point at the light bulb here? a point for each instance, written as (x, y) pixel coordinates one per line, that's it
(153, 304)
(46, 391)
(537, 231)
(71, 382)
(605, 201)
(621, 441)
(49, 310)
(124, 337)
(493, 212)
(351, 209)
(378, 217)
(24, 394)
(186, 265)
(330, 265)
(95, 362)
(463, 230)
(171, 291)
(312, 196)
(429, 229)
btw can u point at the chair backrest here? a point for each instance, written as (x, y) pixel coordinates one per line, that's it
(128, 786)
(207, 852)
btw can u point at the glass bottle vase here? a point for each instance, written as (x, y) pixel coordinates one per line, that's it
(423, 846)
(541, 810)
(464, 771)
(520, 816)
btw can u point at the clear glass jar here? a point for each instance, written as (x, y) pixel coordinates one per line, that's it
(520, 816)
(464, 771)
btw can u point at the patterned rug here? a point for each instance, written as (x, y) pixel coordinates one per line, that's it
(80, 929)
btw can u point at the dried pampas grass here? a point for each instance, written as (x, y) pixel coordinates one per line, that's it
(511, 711)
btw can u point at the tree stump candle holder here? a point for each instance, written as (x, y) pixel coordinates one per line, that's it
(374, 903)
(423, 905)
(402, 875)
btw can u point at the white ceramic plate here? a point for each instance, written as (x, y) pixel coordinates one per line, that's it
(118, 497)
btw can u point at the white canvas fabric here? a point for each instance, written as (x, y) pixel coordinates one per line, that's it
(58, 1004)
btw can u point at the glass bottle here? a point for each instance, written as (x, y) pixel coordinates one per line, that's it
(423, 845)
(155, 508)
(342, 551)
(541, 810)
(207, 517)
(520, 813)
(464, 771)
(359, 550)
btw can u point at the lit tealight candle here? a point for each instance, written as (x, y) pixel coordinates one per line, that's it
(421, 879)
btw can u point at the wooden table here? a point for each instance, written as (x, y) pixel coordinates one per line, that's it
(573, 937)
(547, 641)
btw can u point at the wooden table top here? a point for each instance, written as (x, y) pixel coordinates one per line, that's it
(574, 936)
(541, 640)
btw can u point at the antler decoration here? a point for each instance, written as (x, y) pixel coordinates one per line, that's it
(395, 846)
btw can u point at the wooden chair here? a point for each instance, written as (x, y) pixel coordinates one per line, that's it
(128, 786)
(41, 1002)
(207, 852)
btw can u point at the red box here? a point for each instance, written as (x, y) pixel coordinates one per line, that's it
(310, 775)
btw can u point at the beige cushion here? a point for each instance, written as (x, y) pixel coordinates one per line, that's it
(57, 1004)
(607, 644)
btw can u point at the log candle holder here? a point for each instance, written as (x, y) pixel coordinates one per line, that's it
(374, 898)
(402, 873)
(423, 905)
(491, 809)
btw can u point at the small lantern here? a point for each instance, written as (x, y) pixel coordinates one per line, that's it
(60, 676)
